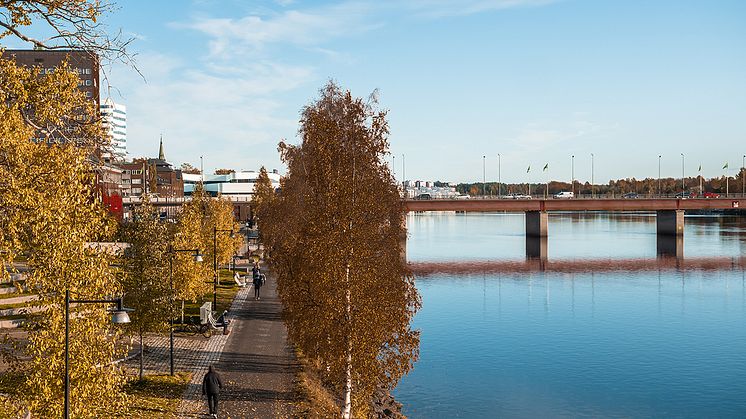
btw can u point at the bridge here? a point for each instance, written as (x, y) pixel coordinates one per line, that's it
(669, 215)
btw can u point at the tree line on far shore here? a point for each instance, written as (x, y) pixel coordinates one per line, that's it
(651, 186)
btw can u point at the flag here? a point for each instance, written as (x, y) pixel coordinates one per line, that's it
(529, 169)
(546, 166)
(700, 168)
(726, 166)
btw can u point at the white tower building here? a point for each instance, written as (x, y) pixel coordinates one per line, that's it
(114, 117)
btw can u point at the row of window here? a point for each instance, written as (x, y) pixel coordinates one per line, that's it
(50, 70)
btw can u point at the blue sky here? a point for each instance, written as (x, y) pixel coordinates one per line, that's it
(534, 80)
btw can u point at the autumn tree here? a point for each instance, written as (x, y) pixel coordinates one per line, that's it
(69, 24)
(188, 168)
(145, 273)
(263, 193)
(334, 239)
(224, 171)
(190, 278)
(48, 214)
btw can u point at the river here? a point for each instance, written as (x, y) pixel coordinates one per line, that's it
(665, 342)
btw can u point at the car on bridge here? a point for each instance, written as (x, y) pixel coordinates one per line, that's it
(564, 195)
(685, 195)
(517, 196)
(710, 195)
(630, 195)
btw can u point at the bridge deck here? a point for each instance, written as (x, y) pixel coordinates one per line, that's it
(521, 205)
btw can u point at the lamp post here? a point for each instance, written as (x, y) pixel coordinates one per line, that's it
(484, 176)
(573, 175)
(593, 188)
(404, 172)
(659, 175)
(215, 231)
(172, 253)
(743, 176)
(499, 184)
(118, 316)
(683, 187)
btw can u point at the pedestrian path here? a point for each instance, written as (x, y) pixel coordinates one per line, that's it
(257, 365)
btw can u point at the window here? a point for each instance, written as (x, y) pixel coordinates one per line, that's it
(88, 82)
(137, 181)
(88, 94)
(88, 71)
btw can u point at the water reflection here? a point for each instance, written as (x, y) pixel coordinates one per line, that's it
(600, 319)
(670, 246)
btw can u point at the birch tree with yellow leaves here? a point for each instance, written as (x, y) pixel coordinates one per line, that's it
(333, 235)
(48, 214)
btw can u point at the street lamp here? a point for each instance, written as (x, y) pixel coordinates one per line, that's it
(118, 316)
(743, 176)
(498, 176)
(683, 187)
(659, 175)
(404, 172)
(215, 231)
(172, 253)
(484, 176)
(593, 188)
(573, 175)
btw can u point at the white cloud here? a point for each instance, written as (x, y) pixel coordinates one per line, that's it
(303, 28)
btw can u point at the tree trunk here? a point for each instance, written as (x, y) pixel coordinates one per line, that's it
(182, 313)
(347, 413)
(141, 356)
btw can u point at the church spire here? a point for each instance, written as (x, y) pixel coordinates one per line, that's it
(161, 155)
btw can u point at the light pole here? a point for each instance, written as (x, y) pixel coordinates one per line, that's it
(215, 231)
(593, 187)
(171, 254)
(118, 316)
(743, 176)
(683, 187)
(659, 175)
(573, 175)
(484, 176)
(403, 172)
(498, 176)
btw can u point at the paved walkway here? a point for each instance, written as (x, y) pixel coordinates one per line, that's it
(256, 364)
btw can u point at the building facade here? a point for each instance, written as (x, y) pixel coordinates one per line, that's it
(114, 118)
(84, 63)
(235, 185)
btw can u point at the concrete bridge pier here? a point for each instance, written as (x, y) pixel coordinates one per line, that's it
(536, 224)
(670, 222)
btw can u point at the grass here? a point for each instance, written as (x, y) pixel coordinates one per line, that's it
(156, 396)
(316, 400)
(226, 291)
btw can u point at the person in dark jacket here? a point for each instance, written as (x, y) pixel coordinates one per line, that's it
(211, 386)
(258, 282)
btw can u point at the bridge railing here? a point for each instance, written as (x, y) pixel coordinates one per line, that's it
(738, 195)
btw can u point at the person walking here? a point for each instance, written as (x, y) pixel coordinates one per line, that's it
(258, 282)
(211, 386)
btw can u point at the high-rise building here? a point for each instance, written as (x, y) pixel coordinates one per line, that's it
(114, 118)
(85, 63)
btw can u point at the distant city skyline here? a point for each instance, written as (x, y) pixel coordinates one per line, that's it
(534, 80)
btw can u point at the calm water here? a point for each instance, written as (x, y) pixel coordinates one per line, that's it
(613, 344)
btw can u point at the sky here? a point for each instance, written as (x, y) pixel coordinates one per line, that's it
(535, 81)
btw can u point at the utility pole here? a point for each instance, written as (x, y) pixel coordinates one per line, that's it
(743, 177)
(403, 173)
